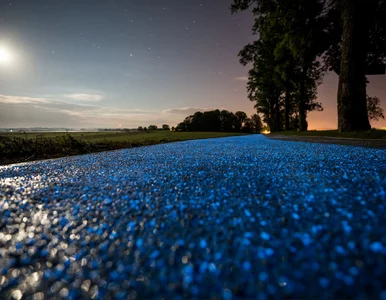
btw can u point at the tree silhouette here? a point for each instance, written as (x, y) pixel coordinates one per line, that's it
(374, 108)
(240, 118)
(292, 36)
(215, 121)
(357, 47)
(285, 71)
(257, 124)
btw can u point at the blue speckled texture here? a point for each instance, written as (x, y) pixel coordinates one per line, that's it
(240, 217)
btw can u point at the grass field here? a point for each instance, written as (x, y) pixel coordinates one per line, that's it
(371, 134)
(120, 136)
(23, 147)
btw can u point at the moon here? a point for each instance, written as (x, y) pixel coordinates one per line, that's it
(6, 56)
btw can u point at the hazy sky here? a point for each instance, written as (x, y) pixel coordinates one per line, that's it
(105, 63)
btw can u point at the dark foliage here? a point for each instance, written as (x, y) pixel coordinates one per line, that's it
(286, 65)
(217, 121)
(374, 108)
(285, 70)
(152, 127)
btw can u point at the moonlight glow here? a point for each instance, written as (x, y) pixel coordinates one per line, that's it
(5, 56)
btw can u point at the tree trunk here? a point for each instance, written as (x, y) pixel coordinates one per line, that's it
(287, 109)
(272, 116)
(303, 126)
(277, 115)
(352, 108)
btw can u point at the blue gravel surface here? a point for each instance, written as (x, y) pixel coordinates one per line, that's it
(240, 217)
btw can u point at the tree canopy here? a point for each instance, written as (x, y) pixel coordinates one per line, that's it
(221, 121)
(287, 64)
(285, 70)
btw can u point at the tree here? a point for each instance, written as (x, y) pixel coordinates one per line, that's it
(357, 47)
(152, 127)
(215, 121)
(240, 118)
(140, 128)
(227, 120)
(165, 127)
(248, 126)
(257, 124)
(212, 121)
(352, 109)
(374, 109)
(285, 65)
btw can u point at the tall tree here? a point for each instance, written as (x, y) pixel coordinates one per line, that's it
(302, 30)
(357, 48)
(263, 87)
(352, 109)
(240, 118)
(284, 58)
(227, 119)
(257, 124)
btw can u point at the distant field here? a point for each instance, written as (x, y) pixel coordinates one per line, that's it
(22, 147)
(120, 136)
(371, 134)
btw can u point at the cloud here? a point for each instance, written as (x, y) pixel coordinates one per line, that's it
(18, 111)
(242, 78)
(22, 100)
(185, 110)
(85, 97)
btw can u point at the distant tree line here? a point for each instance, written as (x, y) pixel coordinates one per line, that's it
(154, 127)
(221, 121)
(299, 40)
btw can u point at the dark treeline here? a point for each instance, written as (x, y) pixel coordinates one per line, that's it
(221, 121)
(299, 40)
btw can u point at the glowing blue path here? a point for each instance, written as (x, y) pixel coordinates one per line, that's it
(240, 217)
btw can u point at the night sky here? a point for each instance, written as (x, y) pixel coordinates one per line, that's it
(106, 63)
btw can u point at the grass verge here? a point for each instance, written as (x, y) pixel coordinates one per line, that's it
(371, 134)
(24, 147)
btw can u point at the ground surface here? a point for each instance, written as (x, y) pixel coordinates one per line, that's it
(230, 217)
(370, 143)
(370, 134)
